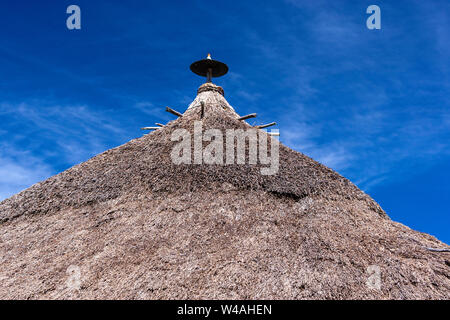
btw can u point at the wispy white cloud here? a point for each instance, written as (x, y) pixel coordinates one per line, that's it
(149, 108)
(43, 138)
(19, 170)
(374, 148)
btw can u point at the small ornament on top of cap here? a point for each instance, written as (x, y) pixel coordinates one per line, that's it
(209, 68)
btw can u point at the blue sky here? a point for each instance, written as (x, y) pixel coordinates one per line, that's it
(371, 104)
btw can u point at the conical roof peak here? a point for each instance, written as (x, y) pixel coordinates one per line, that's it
(211, 95)
(209, 86)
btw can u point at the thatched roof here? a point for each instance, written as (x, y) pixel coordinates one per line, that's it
(138, 226)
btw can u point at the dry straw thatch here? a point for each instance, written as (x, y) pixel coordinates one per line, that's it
(136, 226)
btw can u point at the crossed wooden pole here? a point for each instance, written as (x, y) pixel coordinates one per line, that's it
(248, 116)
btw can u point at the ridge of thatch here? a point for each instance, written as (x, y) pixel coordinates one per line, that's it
(144, 164)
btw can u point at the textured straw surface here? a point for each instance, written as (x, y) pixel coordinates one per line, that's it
(139, 227)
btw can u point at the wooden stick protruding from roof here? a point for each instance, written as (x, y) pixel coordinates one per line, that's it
(159, 124)
(150, 128)
(202, 109)
(173, 112)
(438, 249)
(251, 115)
(266, 125)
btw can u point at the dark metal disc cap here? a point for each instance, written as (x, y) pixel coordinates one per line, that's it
(201, 68)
